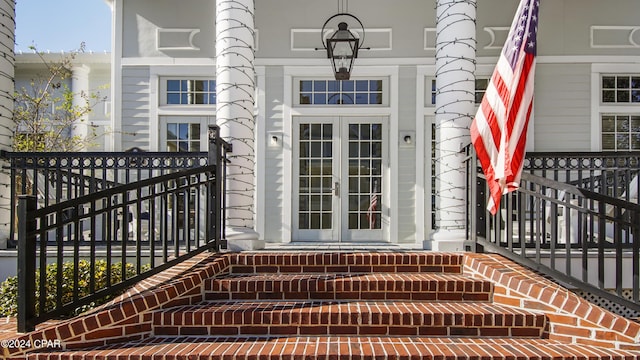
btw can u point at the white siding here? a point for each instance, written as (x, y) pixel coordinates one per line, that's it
(562, 107)
(135, 108)
(406, 158)
(274, 174)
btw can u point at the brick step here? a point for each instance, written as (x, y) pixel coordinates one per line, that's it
(314, 262)
(378, 286)
(343, 348)
(350, 318)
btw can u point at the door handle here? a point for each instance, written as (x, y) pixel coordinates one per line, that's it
(336, 188)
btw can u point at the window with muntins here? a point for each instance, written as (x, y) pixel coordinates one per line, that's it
(183, 137)
(341, 92)
(480, 89)
(620, 113)
(621, 89)
(190, 92)
(620, 132)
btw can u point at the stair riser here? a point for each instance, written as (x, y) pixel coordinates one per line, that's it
(347, 262)
(321, 269)
(262, 330)
(390, 296)
(340, 316)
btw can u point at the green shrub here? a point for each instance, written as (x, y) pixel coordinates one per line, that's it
(9, 288)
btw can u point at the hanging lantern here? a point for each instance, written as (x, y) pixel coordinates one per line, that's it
(342, 46)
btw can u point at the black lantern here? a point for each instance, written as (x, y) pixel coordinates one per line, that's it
(342, 46)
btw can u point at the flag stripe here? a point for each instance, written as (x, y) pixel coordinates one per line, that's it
(499, 130)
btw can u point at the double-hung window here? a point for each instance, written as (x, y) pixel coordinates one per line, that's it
(186, 105)
(620, 123)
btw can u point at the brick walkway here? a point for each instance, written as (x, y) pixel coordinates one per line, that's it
(344, 305)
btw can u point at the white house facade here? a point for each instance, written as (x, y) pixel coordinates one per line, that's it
(374, 158)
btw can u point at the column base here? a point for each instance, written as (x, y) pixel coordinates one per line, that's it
(447, 241)
(243, 239)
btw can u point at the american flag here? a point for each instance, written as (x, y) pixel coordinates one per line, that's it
(499, 130)
(373, 205)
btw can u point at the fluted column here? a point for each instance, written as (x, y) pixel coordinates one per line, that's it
(455, 106)
(235, 89)
(7, 62)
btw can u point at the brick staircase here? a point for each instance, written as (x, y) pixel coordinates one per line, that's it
(418, 305)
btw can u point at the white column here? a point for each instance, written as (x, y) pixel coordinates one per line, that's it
(235, 91)
(80, 88)
(455, 106)
(7, 21)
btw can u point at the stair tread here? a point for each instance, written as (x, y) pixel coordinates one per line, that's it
(383, 281)
(471, 312)
(346, 276)
(427, 348)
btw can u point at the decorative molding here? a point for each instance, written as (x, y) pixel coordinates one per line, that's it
(430, 39)
(309, 39)
(498, 35)
(615, 37)
(176, 39)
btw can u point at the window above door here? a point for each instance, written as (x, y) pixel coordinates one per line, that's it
(325, 92)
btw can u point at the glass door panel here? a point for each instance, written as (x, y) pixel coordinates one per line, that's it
(364, 175)
(339, 179)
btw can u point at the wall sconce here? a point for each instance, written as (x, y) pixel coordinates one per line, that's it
(274, 139)
(407, 138)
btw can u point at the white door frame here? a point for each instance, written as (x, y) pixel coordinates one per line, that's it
(289, 110)
(336, 182)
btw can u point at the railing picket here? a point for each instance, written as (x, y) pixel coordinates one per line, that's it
(76, 253)
(59, 241)
(602, 210)
(635, 228)
(26, 263)
(138, 233)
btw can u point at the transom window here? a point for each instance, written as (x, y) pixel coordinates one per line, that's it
(191, 92)
(620, 132)
(345, 92)
(620, 89)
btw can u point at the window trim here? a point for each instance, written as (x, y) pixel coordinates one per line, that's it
(203, 121)
(163, 91)
(598, 108)
(385, 92)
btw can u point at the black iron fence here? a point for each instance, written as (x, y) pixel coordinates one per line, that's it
(55, 177)
(122, 218)
(574, 218)
(608, 173)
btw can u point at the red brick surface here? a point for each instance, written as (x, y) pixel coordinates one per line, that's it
(339, 306)
(343, 348)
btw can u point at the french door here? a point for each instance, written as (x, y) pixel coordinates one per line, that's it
(339, 179)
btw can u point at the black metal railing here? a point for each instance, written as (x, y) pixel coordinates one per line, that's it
(59, 176)
(136, 223)
(577, 235)
(608, 173)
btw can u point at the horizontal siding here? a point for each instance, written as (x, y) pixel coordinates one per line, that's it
(274, 166)
(406, 187)
(406, 196)
(135, 108)
(562, 117)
